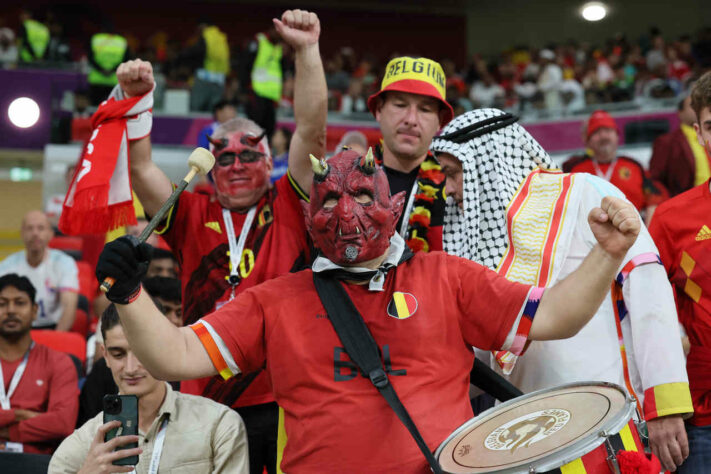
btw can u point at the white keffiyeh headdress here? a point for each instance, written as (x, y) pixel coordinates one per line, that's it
(496, 154)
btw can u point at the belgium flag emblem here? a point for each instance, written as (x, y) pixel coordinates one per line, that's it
(402, 306)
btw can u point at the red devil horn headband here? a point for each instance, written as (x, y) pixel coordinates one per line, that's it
(251, 140)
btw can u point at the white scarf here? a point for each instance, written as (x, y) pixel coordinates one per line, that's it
(394, 253)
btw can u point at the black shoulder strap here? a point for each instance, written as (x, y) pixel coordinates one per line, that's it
(363, 350)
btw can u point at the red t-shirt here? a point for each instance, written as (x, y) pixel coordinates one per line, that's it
(628, 176)
(49, 385)
(277, 244)
(433, 309)
(681, 228)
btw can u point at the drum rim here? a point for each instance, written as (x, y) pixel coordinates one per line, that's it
(576, 450)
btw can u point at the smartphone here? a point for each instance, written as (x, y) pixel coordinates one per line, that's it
(123, 408)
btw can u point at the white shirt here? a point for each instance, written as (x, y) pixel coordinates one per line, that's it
(485, 96)
(202, 436)
(58, 272)
(650, 329)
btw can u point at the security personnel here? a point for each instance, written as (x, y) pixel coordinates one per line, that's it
(107, 51)
(35, 38)
(212, 54)
(266, 72)
(266, 80)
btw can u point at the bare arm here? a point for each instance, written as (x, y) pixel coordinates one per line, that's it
(168, 352)
(151, 185)
(301, 29)
(68, 300)
(566, 307)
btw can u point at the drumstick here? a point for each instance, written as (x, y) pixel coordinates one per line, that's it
(200, 161)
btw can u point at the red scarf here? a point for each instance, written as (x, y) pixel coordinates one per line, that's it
(100, 197)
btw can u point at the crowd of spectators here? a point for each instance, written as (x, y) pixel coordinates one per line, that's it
(565, 77)
(560, 78)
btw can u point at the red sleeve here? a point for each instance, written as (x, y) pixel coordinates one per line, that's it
(287, 186)
(660, 234)
(62, 408)
(6, 417)
(233, 336)
(489, 304)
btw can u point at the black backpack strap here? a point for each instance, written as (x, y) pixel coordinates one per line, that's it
(492, 383)
(363, 350)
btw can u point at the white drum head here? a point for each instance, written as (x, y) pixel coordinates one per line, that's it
(541, 431)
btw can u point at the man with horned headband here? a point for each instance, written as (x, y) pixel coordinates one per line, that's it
(513, 212)
(250, 231)
(425, 312)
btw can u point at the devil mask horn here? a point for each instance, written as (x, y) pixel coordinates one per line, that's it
(320, 168)
(367, 162)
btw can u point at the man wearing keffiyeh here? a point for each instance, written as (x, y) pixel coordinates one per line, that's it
(513, 212)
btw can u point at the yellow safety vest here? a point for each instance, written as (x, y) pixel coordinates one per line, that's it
(266, 72)
(38, 39)
(217, 56)
(108, 50)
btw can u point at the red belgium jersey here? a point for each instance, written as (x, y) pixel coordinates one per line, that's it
(433, 309)
(681, 228)
(627, 175)
(277, 243)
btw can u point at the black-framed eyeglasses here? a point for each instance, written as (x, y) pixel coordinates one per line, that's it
(245, 156)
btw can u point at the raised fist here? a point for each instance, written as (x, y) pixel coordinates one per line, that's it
(298, 28)
(615, 225)
(135, 77)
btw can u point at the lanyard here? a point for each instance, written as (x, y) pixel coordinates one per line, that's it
(236, 248)
(5, 397)
(407, 211)
(606, 176)
(157, 449)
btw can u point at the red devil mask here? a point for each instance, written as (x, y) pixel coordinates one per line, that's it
(351, 215)
(242, 168)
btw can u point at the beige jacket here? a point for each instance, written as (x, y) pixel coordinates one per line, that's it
(202, 437)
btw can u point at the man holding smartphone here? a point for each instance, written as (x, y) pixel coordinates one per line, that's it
(174, 430)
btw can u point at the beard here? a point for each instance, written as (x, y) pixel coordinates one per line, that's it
(14, 335)
(606, 150)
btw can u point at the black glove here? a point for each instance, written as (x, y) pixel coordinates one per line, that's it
(125, 260)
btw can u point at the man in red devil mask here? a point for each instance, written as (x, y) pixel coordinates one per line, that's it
(249, 231)
(424, 311)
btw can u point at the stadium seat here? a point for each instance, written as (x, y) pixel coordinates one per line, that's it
(68, 244)
(67, 342)
(81, 321)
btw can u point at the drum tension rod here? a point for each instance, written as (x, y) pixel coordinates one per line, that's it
(611, 456)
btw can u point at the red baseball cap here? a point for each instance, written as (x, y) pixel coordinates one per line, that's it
(599, 119)
(416, 76)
